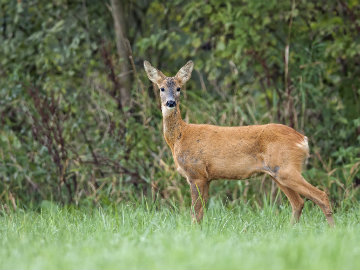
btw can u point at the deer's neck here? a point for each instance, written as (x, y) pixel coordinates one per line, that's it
(173, 125)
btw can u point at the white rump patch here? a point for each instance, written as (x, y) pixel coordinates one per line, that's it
(304, 144)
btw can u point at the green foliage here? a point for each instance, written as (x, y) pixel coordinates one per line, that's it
(63, 137)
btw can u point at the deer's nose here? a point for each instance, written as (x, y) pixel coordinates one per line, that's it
(170, 103)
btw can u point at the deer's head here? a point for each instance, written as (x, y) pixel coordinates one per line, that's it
(170, 87)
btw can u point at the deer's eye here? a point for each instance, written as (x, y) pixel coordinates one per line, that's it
(162, 89)
(178, 89)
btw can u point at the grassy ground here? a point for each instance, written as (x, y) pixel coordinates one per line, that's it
(137, 237)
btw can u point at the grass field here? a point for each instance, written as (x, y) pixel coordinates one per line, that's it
(140, 237)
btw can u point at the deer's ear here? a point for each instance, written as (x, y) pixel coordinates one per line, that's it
(156, 76)
(184, 73)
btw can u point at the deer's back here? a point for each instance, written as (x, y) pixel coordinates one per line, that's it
(212, 152)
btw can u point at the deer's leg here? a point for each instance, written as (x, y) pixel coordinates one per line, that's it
(297, 203)
(294, 181)
(199, 196)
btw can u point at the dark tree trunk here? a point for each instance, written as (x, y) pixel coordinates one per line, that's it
(123, 52)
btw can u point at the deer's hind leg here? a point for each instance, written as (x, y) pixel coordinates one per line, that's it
(296, 202)
(292, 179)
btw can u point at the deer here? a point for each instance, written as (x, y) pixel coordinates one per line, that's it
(203, 153)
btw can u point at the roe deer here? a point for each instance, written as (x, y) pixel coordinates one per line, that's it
(205, 152)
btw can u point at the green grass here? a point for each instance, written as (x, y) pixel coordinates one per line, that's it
(138, 237)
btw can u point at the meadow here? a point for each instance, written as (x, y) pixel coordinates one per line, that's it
(151, 236)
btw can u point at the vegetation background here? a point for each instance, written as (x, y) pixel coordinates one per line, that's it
(80, 122)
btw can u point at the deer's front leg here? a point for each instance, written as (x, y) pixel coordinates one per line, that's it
(199, 196)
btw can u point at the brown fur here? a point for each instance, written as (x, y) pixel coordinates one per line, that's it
(203, 153)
